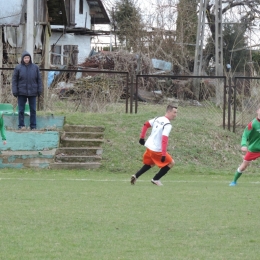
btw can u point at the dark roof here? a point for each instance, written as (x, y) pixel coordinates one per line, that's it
(57, 12)
(58, 15)
(97, 12)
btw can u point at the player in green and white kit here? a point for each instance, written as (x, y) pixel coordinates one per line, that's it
(2, 128)
(250, 144)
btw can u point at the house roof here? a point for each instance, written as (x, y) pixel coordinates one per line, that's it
(97, 12)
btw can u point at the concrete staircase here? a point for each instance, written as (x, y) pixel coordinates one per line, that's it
(80, 147)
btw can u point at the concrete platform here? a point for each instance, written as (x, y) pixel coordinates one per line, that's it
(30, 140)
(27, 159)
(43, 122)
(52, 145)
(26, 148)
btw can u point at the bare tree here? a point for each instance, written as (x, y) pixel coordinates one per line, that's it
(244, 13)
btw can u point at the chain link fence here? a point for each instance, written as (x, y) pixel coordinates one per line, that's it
(94, 91)
(246, 98)
(84, 91)
(72, 90)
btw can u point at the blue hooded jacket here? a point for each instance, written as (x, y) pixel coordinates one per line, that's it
(26, 80)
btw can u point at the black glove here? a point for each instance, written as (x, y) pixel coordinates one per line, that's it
(163, 159)
(15, 95)
(39, 94)
(141, 141)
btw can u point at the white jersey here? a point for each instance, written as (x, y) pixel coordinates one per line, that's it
(160, 126)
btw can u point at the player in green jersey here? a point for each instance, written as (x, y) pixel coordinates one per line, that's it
(250, 144)
(2, 128)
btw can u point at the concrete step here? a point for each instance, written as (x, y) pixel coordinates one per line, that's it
(79, 151)
(23, 165)
(81, 135)
(27, 159)
(83, 128)
(72, 142)
(63, 165)
(76, 158)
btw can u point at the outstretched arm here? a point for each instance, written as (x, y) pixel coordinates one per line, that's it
(144, 129)
(143, 132)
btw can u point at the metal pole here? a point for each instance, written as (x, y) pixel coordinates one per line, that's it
(199, 47)
(200, 38)
(136, 94)
(218, 39)
(126, 97)
(225, 103)
(235, 106)
(131, 94)
(30, 28)
(229, 102)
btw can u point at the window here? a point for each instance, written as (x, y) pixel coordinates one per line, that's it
(56, 55)
(80, 6)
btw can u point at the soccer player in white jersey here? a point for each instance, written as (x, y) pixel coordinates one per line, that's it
(156, 146)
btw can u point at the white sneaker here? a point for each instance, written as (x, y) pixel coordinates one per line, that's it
(157, 182)
(133, 180)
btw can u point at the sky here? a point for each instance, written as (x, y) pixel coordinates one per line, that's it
(149, 13)
(148, 9)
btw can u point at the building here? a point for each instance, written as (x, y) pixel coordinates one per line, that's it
(71, 43)
(62, 28)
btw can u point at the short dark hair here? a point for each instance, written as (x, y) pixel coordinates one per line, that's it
(170, 107)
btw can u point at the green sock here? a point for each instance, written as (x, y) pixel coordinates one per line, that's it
(237, 175)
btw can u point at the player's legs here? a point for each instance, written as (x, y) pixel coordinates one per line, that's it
(250, 156)
(243, 166)
(239, 172)
(163, 169)
(148, 163)
(171, 164)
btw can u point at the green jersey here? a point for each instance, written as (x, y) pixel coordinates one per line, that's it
(2, 127)
(251, 136)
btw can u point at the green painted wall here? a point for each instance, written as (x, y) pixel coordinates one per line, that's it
(30, 140)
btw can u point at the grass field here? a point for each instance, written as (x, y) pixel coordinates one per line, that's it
(88, 215)
(98, 215)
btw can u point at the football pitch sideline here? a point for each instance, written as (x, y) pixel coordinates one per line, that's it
(94, 215)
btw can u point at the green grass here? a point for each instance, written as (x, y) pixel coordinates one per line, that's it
(197, 140)
(89, 215)
(97, 214)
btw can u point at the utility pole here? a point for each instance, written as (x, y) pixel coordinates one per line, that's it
(199, 44)
(200, 38)
(199, 47)
(218, 39)
(29, 44)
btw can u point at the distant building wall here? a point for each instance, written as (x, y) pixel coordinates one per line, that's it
(82, 20)
(82, 41)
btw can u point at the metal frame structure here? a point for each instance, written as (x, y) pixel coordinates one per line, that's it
(218, 38)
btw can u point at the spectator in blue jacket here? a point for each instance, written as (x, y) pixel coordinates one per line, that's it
(26, 85)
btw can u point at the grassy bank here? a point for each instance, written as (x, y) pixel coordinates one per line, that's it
(197, 142)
